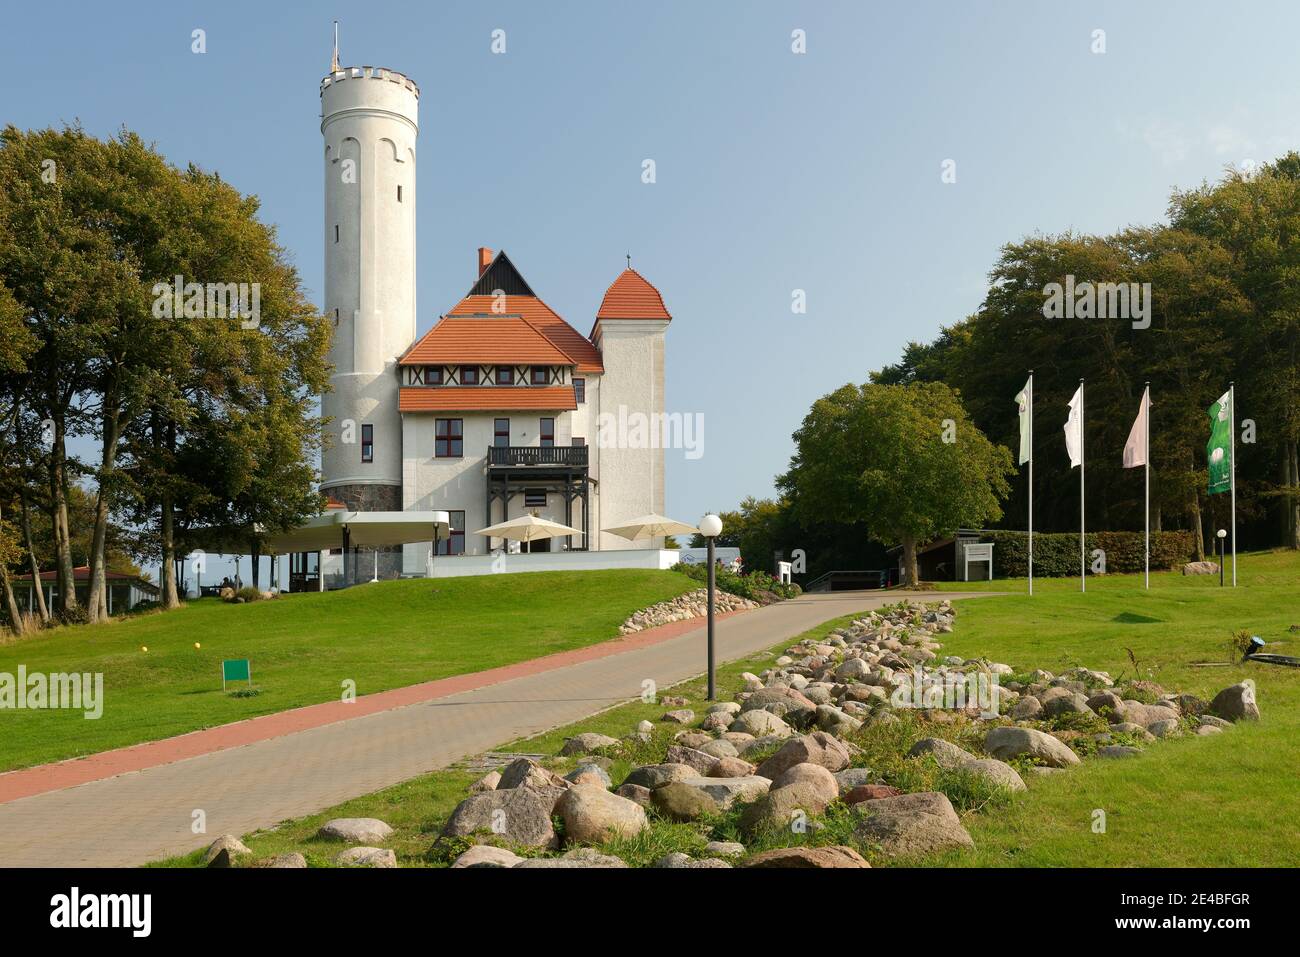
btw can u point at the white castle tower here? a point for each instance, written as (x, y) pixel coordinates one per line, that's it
(369, 119)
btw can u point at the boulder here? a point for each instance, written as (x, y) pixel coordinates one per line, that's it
(1201, 568)
(836, 855)
(1070, 703)
(718, 721)
(1212, 721)
(817, 748)
(731, 768)
(223, 851)
(578, 857)
(356, 830)
(996, 772)
(724, 848)
(850, 778)
(281, 861)
(911, 824)
(485, 855)
(1168, 728)
(701, 762)
(945, 753)
(691, 739)
(1027, 708)
(1236, 703)
(681, 802)
(634, 792)
(366, 857)
(654, 775)
(869, 792)
(587, 743)
(1106, 703)
(719, 748)
(520, 815)
(813, 775)
(525, 772)
(761, 723)
(1005, 743)
(591, 774)
(679, 716)
(728, 791)
(594, 815)
(786, 703)
(781, 807)
(1135, 712)
(677, 860)
(1118, 751)
(487, 782)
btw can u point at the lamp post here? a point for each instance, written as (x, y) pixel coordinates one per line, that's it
(711, 528)
(1223, 534)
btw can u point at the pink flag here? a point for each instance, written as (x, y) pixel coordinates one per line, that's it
(1135, 449)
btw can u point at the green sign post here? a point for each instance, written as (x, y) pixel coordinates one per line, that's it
(236, 669)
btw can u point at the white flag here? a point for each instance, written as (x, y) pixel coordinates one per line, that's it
(1135, 449)
(1022, 399)
(1074, 429)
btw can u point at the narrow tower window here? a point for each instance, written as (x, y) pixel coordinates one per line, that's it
(399, 194)
(367, 443)
(336, 232)
(548, 433)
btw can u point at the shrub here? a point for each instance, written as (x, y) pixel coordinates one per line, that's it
(1056, 555)
(757, 586)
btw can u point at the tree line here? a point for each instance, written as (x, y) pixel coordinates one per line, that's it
(1223, 276)
(200, 415)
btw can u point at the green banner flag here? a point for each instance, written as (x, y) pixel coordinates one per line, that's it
(1218, 451)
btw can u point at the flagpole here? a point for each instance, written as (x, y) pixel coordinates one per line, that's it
(1031, 481)
(1083, 572)
(1232, 465)
(1146, 458)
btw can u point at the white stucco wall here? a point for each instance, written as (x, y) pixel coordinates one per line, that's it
(632, 479)
(369, 121)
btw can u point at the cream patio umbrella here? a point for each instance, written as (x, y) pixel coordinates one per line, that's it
(651, 526)
(528, 528)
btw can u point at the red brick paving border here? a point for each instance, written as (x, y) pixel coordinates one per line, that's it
(42, 778)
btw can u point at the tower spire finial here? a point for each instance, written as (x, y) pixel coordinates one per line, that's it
(629, 260)
(334, 63)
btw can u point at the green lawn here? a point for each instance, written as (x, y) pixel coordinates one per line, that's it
(1225, 800)
(303, 647)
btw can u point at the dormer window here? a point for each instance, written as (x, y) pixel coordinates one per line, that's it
(433, 375)
(469, 375)
(538, 375)
(505, 375)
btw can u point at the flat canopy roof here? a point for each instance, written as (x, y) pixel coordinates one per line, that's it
(321, 532)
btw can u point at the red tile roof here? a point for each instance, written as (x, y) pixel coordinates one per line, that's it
(510, 334)
(495, 338)
(487, 398)
(631, 297)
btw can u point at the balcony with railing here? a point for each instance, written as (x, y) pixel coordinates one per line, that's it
(524, 456)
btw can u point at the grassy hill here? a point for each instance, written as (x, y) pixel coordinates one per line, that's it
(303, 647)
(1227, 800)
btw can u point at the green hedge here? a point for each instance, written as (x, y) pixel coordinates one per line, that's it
(750, 586)
(1056, 555)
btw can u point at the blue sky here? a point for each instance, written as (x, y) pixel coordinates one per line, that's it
(775, 171)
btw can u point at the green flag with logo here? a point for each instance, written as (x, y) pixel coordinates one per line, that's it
(1218, 451)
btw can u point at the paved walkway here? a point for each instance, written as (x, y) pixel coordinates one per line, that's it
(258, 778)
